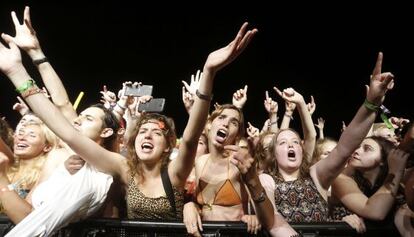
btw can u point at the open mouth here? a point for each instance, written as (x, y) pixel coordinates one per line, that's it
(147, 147)
(221, 135)
(21, 146)
(291, 155)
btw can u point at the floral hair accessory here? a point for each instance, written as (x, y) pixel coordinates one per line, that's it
(161, 124)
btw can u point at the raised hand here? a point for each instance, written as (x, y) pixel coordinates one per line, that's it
(240, 97)
(320, 124)
(311, 105)
(290, 95)
(21, 106)
(25, 34)
(270, 105)
(221, 57)
(252, 131)
(189, 91)
(398, 123)
(108, 98)
(10, 58)
(380, 83)
(194, 83)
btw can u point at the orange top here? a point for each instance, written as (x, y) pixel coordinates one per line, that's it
(226, 195)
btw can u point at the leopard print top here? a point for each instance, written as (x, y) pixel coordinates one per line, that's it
(141, 207)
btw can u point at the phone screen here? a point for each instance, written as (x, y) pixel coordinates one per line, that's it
(155, 105)
(138, 91)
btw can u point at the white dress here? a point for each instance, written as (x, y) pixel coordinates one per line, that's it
(63, 199)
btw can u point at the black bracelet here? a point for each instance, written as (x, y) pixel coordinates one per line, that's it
(204, 97)
(37, 62)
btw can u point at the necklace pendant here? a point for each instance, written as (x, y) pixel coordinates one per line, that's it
(210, 206)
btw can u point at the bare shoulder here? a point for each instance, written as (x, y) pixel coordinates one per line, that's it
(200, 161)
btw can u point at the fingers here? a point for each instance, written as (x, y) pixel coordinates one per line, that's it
(20, 100)
(14, 18)
(278, 91)
(378, 65)
(234, 44)
(246, 40)
(7, 38)
(186, 85)
(27, 20)
(197, 78)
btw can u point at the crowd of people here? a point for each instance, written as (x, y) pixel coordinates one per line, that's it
(113, 160)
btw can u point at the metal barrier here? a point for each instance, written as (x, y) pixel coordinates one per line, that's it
(137, 228)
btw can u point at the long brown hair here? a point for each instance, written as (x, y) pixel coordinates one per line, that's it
(304, 166)
(134, 162)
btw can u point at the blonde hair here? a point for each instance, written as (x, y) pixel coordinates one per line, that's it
(28, 175)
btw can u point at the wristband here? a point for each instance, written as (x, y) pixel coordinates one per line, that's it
(37, 62)
(204, 97)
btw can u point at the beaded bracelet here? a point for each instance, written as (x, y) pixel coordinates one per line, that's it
(31, 91)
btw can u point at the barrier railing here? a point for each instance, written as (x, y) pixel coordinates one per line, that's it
(135, 228)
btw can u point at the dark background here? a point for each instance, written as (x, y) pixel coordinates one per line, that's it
(326, 51)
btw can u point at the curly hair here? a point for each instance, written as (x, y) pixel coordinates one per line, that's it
(134, 162)
(304, 166)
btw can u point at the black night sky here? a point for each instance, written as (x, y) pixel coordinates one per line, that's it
(325, 53)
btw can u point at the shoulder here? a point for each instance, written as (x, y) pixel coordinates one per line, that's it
(267, 181)
(200, 161)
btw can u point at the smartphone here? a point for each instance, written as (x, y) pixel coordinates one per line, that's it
(155, 105)
(138, 91)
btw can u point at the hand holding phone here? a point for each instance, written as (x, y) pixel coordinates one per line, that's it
(138, 91)
(155, 105)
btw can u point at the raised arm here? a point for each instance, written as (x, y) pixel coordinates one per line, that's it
(182, 165)
(288, 116)
(309, 132)
(27, 40)
(328, 169)
(11, 65)
(271, 107)
(321, 125)
(240, 97)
